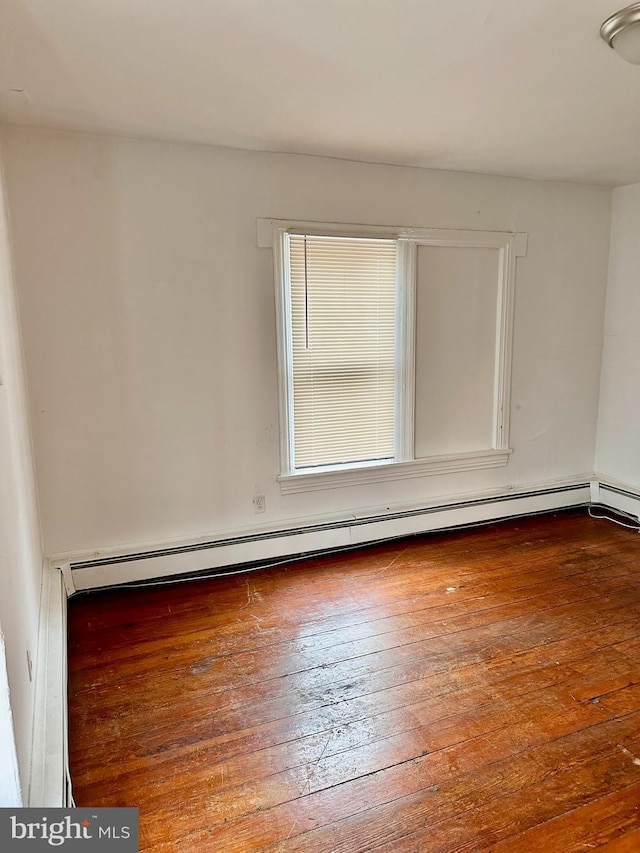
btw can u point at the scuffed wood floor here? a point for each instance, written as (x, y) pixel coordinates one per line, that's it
(472, 691)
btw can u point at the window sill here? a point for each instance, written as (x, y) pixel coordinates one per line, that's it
(450, 464)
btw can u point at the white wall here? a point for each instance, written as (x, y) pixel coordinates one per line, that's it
(618, 447)
(20, 550)
(150, 334)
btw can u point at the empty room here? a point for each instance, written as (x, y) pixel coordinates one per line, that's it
(319, 423)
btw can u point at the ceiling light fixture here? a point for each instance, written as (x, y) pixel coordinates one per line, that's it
(622, 32)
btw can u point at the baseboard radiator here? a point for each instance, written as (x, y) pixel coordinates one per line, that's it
(270, 545)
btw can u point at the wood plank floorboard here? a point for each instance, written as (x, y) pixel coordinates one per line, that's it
(475, 690)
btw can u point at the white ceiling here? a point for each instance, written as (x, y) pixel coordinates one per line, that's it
(498, 86)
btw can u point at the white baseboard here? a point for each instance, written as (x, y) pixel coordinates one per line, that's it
(49, 781)
(254, 545)
(618, 496)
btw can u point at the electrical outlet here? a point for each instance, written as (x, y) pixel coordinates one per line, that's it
(29, 665)
(259, 504)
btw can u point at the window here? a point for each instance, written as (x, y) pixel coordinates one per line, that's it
(394, 350)
(343, 340)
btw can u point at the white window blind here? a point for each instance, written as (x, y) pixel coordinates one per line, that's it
(343, 321)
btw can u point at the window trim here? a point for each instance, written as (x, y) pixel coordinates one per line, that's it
(272, 233)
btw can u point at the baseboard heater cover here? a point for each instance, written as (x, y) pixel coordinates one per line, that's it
(621, 499)
(264, 546)
(49, 781)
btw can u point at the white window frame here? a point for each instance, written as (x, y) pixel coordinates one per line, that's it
(273, 233)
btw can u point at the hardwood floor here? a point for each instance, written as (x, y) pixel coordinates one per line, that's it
(471, 691)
